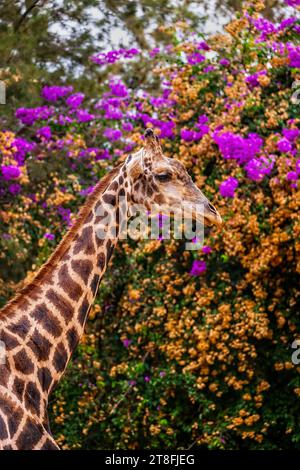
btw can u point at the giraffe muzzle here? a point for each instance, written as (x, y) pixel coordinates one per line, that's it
(211, 214)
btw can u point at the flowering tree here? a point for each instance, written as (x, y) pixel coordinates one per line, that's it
(195, 344)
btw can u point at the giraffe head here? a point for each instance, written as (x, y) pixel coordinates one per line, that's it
(161, 183)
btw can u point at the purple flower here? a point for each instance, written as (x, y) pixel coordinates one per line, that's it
(14, 189)
(6, 236)
(233, 146)
(132, 383)
(101, 154)
(195, 58)
(63, 120)
(28, 116)
(147, 378)
(113, 113)
(44, 133)
(101, 58)
(112, 134)
(291, 134)
(293, 3)
(113, 56)
(84, 116)
(252, 80)
(264, 25)
(10, 172)
(206, 249)
(54, 93)
(65, 214)
(162, 373)
(224, 62)
(203, 45)
(209, 68)
(74, 101)
(228, 187)
(49, 236)
(110, 101)
(198, 268)
(187, 135)
(190, 135)
(89, 152)
(287, 22)
(292, 176)
(202, 119)
(284, 146)
(23, 147)
(154, 52)
(118, 89)
(86, 191)
(166, 127)
(111, 107)
(257, 168)
(294, 56)
(127, 126)
(32, 196)
(159, 102)
(203, 129)
(129, 53)
(126, 342)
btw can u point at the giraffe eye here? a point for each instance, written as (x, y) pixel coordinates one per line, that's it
(163, 177)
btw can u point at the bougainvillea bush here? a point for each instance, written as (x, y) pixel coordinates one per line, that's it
(183, 349)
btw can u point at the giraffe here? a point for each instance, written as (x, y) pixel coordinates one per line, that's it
(41, 326)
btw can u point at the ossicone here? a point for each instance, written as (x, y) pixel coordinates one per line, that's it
(152, 143)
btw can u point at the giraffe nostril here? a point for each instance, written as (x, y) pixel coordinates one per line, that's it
(211, 207)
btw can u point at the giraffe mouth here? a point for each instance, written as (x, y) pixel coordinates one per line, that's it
(207, 215)
(211, 215)
(211, 220)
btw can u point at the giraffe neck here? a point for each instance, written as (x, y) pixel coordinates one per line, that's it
(43, 325)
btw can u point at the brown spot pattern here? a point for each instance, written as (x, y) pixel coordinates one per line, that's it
(60, 357)
(85, 242)
(63, 306)
(83, 311)
(71, 288)
(83, 268)
(45, 318)
(23, 362)
(40, 346)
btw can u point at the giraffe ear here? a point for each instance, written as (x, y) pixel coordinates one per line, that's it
(152, 145)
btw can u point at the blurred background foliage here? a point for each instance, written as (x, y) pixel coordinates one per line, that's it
(183, 349)
(43, 41)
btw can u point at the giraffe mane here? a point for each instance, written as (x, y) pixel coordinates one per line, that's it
(61, 248)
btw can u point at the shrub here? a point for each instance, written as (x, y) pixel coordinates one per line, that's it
(177, 354)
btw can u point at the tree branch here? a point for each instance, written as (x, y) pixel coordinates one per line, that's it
(25, 14)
